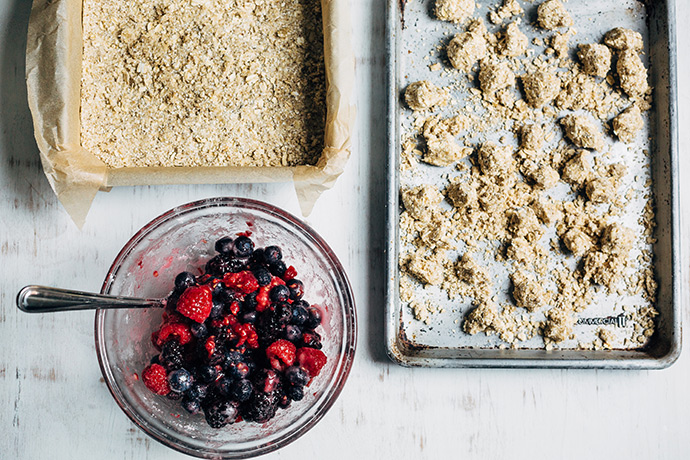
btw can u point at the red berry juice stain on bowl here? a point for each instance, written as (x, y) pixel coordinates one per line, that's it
(237, 342)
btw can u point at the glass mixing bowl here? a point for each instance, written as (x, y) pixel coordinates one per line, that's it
(182, 239)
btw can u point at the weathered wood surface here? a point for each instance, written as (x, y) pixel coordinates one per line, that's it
(55, 404)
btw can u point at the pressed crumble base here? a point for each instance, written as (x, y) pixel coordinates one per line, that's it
(547, 211)
(203, 82)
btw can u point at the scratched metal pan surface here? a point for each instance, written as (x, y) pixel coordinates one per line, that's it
(412, 38)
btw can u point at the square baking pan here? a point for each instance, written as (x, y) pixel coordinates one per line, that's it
(442, 343)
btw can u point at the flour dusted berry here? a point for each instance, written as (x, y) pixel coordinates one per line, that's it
(237, 342)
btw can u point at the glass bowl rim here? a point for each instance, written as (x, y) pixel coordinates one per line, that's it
(291, 433)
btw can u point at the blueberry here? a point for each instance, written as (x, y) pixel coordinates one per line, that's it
(198, 330)
(296, 375)
(216, 309)
(220, 413)
(197, 391)
(207, 374)
(292, 333)
(241, 391)
(257, 258)
(314, 317)
(243, 247)
(237, 371)
(224, 386)
(262, 275)
(180, 380)
(224, 245)
(249, 317)
(279, 293)
(249, 303)
(223, 294)
(277, 268)
(272, 254)
(296, 288)
(193, 406)
(184, 280)
(299, 314)
(295, 392)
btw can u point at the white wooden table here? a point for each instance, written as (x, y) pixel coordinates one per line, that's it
(54, 404)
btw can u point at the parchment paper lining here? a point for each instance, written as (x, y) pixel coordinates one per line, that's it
(53, 73)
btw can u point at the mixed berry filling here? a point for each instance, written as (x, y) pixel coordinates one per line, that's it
(238, 342)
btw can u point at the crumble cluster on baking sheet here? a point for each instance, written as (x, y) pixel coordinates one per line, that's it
(203, 82)
(526, 178)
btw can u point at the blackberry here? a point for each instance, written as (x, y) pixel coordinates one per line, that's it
(296, 288)
(184, 280)
(237, 371)
(207, 374)
(272, 254)
(267, 327)
(218, 266)
(180, 380)
(232, 356)
(260, 408)
(221, 413)
(296, 375)
(224, 245)
(262, 275)
(279, 293)
(241, 390)
(314, 318)
(171, 356)
(243, 247)
(295, 392)
(283, 313)
(277, 268)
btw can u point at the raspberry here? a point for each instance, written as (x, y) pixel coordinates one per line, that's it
(244, 281)
(196, 303)
(311, 360)
(177, 331)
(290, 273)
(281, 354)
(155, 379)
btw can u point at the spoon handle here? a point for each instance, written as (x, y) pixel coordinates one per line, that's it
(42, 299)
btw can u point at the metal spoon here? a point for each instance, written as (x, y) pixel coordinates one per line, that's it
(43, 299)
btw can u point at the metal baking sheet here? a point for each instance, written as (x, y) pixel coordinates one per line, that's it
(412, 35)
